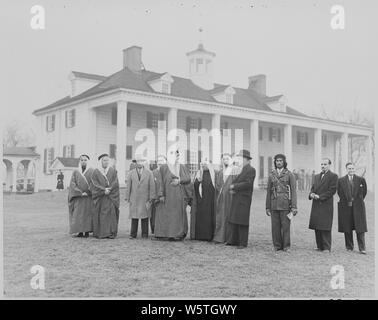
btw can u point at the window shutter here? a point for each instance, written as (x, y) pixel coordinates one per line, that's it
(279, 134)
(64, 151)
(260, 133)
(45, 160)
(149, 119)
(73, 117)
(51, 157)
(128, 117)
(112, 151)
(199, 123)
(298, 137)
(129, 152)
(187, 157)
(114, 115)
(306, 138)
(47, 123)
(188, 120)
(270, 134)
(261, 167)
(72, 151)
(53, 122)
(66, 118)
(161, 116)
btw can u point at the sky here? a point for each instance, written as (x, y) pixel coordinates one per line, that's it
(292, 42)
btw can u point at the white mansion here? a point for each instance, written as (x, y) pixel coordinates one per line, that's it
(104, 113)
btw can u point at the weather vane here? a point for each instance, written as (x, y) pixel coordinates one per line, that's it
(200, 30)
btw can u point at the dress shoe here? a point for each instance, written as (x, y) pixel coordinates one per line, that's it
(363, 252)
(327, 251)
(132, 237)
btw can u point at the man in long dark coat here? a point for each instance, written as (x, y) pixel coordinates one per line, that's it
(105, 194)
(281, 202)
(171, 221)
(242, 189)
(80, 203)
(352, 191)
(321, 218)
(156, 174)
(203, 208)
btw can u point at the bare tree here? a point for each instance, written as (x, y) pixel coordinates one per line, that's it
(357, 145)
(17, 135)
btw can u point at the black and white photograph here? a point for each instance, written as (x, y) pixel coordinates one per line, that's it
(188, 150)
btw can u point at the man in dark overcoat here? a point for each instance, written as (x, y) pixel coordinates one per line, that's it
(241, 189)
(352, 191)
(322, 191)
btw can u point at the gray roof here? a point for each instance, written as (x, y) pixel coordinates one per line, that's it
(68, 162)
(181, 87)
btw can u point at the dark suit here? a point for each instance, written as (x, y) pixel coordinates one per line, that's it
(322, 209)
(238, 222)
(351, 210)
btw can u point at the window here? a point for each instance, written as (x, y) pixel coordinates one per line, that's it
(112, 151)
(50, 123)
(193, 159)
(260, 133)
(229, 98)
(48, 159)
(114, 115)
(261, 175)
(324, 140)
(302, 138)
(193, 123)
(69, 151)
(275, 134)
(165, 87)
(224, 129)
(129, 152)
(199, 65)
(70, 118)
(153, 119)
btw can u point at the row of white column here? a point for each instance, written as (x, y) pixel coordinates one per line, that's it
(254, 141)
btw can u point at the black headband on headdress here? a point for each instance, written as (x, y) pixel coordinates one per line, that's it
(84, 155)
(103, 155)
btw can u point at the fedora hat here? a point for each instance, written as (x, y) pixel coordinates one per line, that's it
(245, 154)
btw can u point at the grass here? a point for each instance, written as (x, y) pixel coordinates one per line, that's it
(36, 232)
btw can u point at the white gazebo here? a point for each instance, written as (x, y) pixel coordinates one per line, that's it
(19, 169)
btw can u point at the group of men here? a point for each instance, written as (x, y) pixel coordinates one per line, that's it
(218, 201)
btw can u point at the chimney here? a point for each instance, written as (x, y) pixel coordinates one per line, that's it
(132, 58)
(258, 83)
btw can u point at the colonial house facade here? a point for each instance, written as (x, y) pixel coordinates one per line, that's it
(104, 114)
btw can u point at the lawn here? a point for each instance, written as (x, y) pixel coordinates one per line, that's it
(35, 233)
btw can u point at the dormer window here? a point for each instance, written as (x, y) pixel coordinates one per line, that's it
(161, 83)
(165, 87)
(229, 98)
(223, 94)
